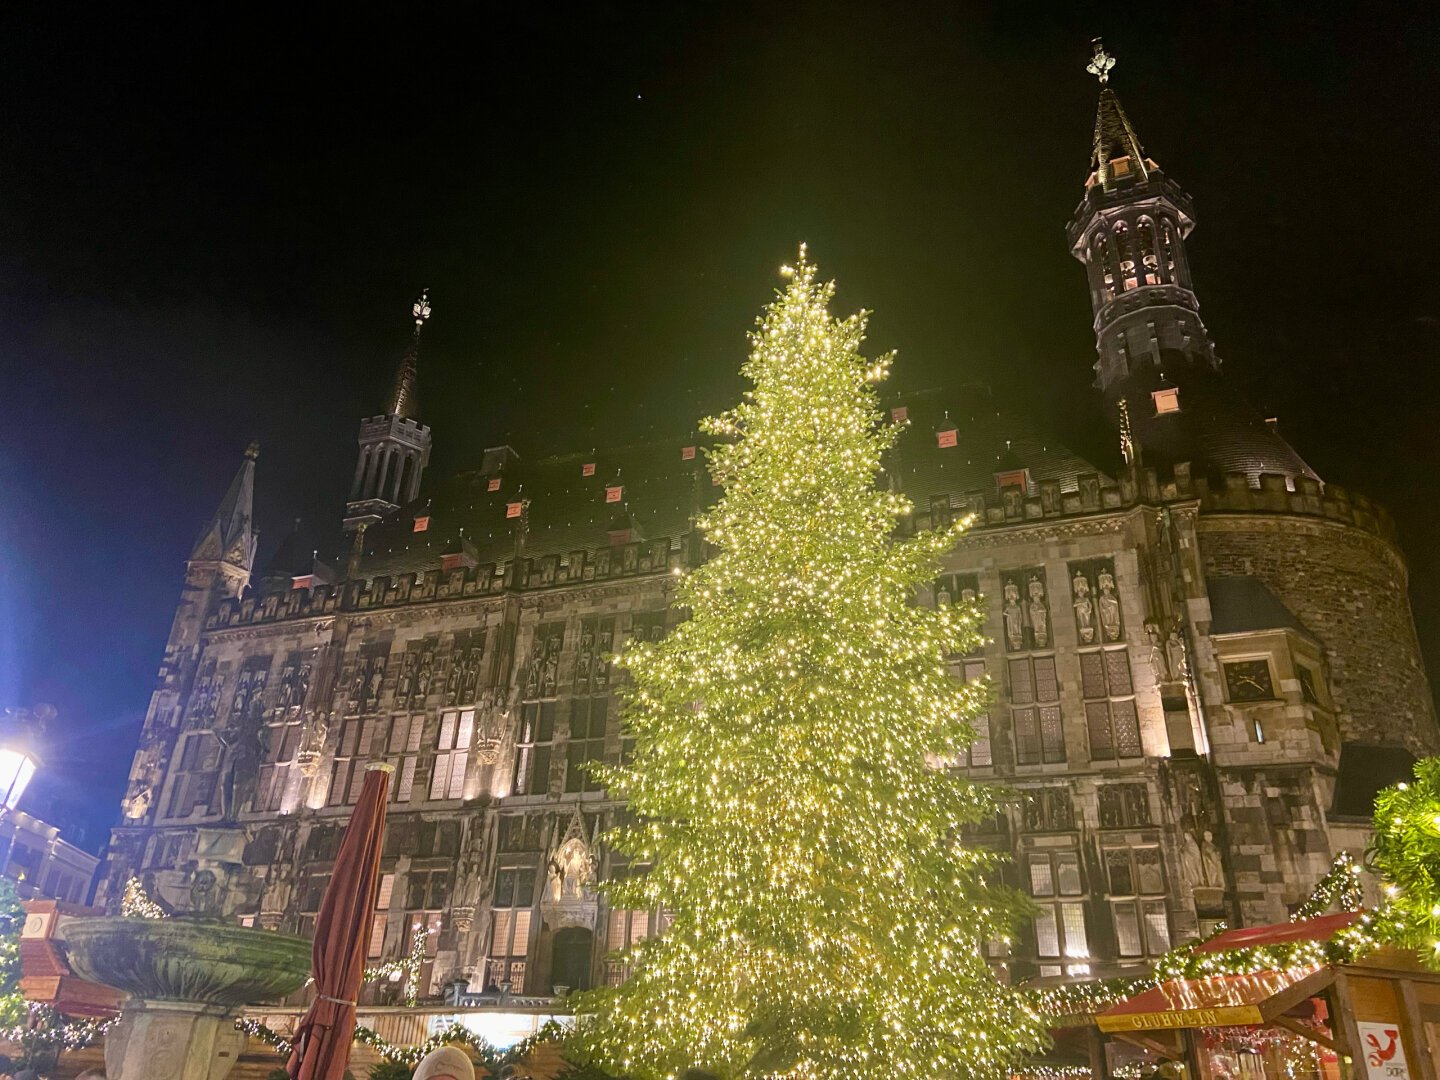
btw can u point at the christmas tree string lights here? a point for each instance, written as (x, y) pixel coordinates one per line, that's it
(828, 920)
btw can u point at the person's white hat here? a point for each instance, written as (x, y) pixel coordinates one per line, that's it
(445, 1062)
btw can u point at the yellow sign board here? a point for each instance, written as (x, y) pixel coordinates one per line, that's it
(1225, 1016)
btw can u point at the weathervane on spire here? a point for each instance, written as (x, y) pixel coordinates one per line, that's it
(1100, 63)
(421, 309)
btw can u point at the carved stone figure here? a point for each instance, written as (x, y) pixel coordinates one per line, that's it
(1039, 612)
(424, 675)
(1158, 661)
(245, 749)
(203, 898)
(405, 682)
(572, 871)
(1109, 605)
(1014, 618)
(942, 595)
(967, 595)
(1084, 608)
(1175, 655)
(359, 683)
(375, 685)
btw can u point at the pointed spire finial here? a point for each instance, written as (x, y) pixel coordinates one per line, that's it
(1100, 62)
(253, 450)
(402, 398)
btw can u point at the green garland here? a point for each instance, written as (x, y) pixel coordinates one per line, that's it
(490, 1056)
(1075, 1003)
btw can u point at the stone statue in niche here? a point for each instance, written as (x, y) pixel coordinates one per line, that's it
(1158, 661)
(1109, 605)
(1199, 855)
(572, 871)
(470, 678)
(967, 596)
(244, 745)
(1013, 499)
(1039, 611)
(1084, 608)
(1014, 617)
(1175, 655)
(375, 685)
(942, 594)
(424, 675)
(358, 684)
(406, 681)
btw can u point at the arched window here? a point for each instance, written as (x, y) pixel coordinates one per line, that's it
(1167, 248)
(1149, 260)
(1104, 262)
(1125, 254)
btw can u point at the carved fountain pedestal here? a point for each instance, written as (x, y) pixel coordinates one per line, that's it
(186, 978)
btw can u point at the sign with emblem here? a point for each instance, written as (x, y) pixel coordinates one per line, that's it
(1383, 1051)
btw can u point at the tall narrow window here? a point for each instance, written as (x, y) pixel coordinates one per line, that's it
(193, 787)
(1104, 266)
(1136, 880)
(1110, 715)
(588, 723)
(1035, 712)
(402, 750)
(1167, 249)
(590, 708)
(977, 754)
(282, 740)
(1149, 260)
(512, 907)
(1055, 883)
(382, 917)
(452, 754)
(533, 747)
(347, 774)
(1125, 255)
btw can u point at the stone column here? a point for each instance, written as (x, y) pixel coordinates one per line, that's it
(172, 1040)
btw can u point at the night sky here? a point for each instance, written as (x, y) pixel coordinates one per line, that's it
(213, 231)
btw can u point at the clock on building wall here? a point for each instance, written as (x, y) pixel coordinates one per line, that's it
(1249, 680)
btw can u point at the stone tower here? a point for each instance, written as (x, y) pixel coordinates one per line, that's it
(1156, 364)
(395, 446)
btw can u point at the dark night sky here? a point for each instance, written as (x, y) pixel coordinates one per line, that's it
(213, 231)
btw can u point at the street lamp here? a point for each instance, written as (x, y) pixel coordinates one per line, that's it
(18, 757)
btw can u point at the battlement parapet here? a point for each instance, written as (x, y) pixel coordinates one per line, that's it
(642, 558)
(1095, 494)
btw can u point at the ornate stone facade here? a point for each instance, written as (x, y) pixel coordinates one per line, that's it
(1189, 649)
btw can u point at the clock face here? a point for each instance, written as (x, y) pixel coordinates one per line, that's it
(1249, 680)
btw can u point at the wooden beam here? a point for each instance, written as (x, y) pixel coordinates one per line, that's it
(1294, 1026)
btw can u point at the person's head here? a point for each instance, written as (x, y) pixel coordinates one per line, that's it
(446, 1063)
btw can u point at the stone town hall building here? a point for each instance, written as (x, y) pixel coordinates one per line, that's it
(1204, 657)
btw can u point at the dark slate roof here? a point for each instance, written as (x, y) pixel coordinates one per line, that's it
(663, 489)
(1215, 430)
(1243, 603)
(1364, 771)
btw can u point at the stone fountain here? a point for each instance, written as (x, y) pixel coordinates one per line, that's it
(186, 976)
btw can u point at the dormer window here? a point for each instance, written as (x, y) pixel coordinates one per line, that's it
(1014, 478)
(1166, 400)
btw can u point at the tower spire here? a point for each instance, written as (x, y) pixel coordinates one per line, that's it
(395, 447)
(229, 538)
(1116, 152)
(403, 401)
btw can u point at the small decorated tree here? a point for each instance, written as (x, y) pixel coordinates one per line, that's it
(826, 917)
(1405, 852)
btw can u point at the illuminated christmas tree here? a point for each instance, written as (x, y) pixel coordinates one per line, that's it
(826, 919)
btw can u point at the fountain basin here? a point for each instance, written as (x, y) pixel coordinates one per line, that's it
(185, 960)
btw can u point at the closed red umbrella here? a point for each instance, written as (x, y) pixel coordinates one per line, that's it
(342, 938)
